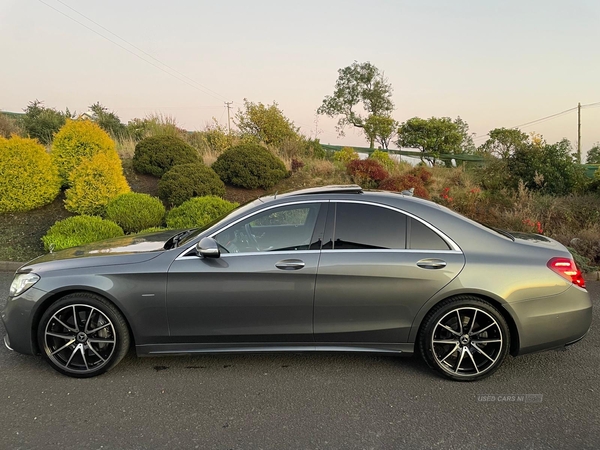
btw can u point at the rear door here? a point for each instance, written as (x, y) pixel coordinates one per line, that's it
(378, 267)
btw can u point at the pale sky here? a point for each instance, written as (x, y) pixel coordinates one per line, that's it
(494, 63)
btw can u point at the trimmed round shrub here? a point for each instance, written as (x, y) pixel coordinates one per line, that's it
(198, 212)
(250, 166)
(404, 182)
(79, 230)
(345, 155)
(153, 230)
(135, 212)
(384, 159)
(28, 177)
(189, 180)
(155, 155)
(76, 141)
(94, 183)
(367, 172)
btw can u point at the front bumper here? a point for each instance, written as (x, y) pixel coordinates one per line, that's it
(18, 321)
(7, 342)
(552, 322)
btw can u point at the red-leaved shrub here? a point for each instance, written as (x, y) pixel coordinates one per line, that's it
(400, 183)
(297, 164)
(367, 172)
(423, 173)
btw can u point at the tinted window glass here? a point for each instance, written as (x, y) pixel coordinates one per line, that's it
(424, 238)
(283, 216)
(285, 228)
(360, 226)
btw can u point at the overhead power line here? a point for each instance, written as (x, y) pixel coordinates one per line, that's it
(594, 105)
(543, 119)
(181, 77)
(169, 107)
(546, 118)
(139, 49)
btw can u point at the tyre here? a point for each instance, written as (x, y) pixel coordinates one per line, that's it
(83, 335)
(464, 338)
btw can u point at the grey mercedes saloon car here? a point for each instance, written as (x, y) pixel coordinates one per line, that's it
(325, 269)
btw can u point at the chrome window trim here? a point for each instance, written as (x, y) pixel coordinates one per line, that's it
(276, 252)
(212, 235)
(454, 248)
(392, 250)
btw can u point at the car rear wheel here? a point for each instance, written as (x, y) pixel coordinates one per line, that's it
(464, 338)
(83, 335)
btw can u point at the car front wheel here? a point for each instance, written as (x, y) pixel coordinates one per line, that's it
(464, 338)
(83, 335)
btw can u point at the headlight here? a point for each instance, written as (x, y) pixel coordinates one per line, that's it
(22, 282)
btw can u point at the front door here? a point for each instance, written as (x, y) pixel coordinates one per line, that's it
(261, 289)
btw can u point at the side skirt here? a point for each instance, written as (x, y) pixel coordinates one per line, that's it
(405, 349)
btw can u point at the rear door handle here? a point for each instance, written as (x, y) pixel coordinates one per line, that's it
(290, 264)
(431, 263)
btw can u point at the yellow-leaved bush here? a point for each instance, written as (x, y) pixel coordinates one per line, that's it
(94, 183)
(76, 141)
(28, 179)
(345, 155)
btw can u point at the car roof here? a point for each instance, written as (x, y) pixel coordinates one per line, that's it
(331, 189)
(347, 192)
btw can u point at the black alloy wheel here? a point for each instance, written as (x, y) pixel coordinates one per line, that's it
(464, 338)
(83, 335)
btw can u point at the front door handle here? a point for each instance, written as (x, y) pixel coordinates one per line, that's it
(290, 264)
(431, 263)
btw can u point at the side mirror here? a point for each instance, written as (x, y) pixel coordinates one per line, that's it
(208, 248)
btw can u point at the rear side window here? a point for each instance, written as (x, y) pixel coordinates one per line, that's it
(360, 226)
(421, 237)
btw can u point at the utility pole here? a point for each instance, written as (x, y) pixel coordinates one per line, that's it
(579, 133)
(316, 122)
(228, 104)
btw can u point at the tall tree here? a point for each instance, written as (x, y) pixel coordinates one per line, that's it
(359, 86)
(42, 123)
(593, 154)
(380, 129)
(503, 142)
(266, 123)
(549, 168)
(436, 136)
(107, 120)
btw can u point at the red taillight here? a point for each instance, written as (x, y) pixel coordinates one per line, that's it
(567, 269)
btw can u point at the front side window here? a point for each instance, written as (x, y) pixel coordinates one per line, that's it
(286, 228)
(361, 226)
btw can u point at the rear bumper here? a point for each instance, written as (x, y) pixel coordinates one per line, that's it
(551, 322)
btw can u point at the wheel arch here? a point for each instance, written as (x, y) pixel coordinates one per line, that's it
(53, 297)
(512, 325)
